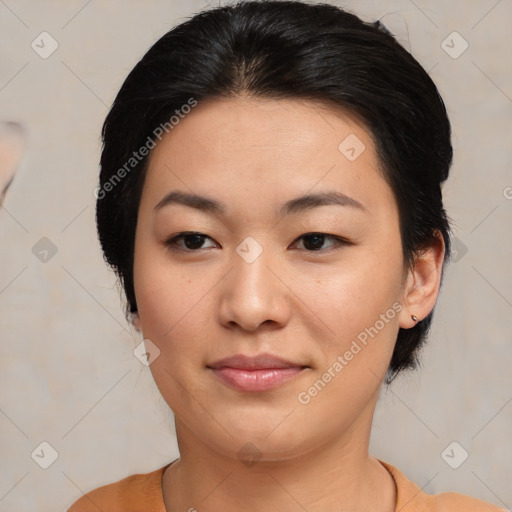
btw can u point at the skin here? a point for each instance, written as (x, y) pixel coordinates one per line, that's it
(294, 302)
(11, 150)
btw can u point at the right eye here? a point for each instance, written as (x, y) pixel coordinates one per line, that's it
(192, 240)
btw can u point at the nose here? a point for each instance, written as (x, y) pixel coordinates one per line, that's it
(253, 294)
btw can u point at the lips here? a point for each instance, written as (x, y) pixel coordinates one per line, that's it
(259, 362)
(257, 373)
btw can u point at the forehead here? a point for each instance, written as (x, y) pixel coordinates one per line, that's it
(251, 148)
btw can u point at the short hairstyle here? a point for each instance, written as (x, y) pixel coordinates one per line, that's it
(284, 50)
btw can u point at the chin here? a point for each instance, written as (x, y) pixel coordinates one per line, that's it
(255, 439)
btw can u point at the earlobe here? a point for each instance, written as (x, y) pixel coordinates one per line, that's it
(423, 282)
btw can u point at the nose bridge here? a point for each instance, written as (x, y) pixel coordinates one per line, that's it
(252, 293)
(251, 273)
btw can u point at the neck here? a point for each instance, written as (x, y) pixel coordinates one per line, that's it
(338, 474)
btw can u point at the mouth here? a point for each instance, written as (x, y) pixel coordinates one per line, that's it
(255, 373)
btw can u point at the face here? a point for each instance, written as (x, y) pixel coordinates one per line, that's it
(316, 282)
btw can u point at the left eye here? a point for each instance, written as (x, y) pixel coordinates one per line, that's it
(316, 240)
(193, 241)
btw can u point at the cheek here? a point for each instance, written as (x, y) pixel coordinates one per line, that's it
(360, 301)
(171, 300)
(360, 286)
(171, 308)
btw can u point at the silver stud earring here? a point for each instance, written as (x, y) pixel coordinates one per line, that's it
(414, 318)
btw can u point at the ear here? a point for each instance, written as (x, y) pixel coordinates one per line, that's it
(422, 284)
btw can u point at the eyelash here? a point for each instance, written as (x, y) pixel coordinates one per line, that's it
(171, 243)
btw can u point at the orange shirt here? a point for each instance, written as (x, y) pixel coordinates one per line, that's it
(143, 493)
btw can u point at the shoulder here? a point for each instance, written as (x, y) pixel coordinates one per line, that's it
(453, 501)
(126, 495)
(410, 498)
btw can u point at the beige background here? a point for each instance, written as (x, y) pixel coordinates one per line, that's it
(68, 374)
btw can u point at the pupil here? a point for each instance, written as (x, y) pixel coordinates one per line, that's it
(315, 245)
(198, 238)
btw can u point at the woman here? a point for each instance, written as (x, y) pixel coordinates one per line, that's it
(270, 199)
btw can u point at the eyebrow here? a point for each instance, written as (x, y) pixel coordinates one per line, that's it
(295, 205)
